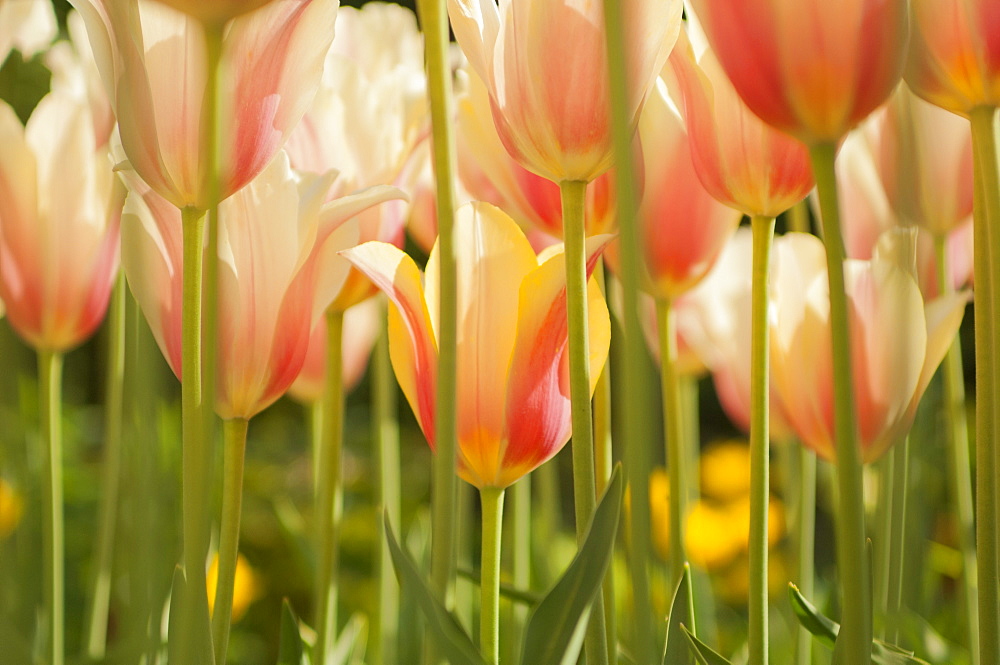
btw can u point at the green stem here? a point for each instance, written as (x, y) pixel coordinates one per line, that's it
(854, 643)
(434, 19)
(986, 215)
(798, 218)
(805, 543)
(100, 599)
(634, 388)
(897, 537)
(386, 620)
(584, 481)
(50, 401)
(329, 492)
(548, 491)
(961, 470)
(885, 468)
(234, 434)
(522, 541)
(763, 235)
(489, 612)
(673, 428)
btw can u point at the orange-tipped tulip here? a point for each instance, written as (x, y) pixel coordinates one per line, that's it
(741, 161)
(513, 393)
(153, 63)
(545, 65)
(954, 59)
(59, 222)
(811, 68)
(897, 340)
(278, 271)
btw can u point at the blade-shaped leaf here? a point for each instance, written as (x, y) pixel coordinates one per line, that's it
(442, 626)
(555, 629)
(350, 645)
(702, 652)
(825, 630)
(290, 638)
(196, 631)
(676, 651)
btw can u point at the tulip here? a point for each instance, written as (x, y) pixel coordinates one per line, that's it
(809, 68)
(954, 57)
(741, 161)
(899, 341)
(545, 65)
(513, 404)
(27, 25)
(278, 272)
(59, 223)
(271, 62)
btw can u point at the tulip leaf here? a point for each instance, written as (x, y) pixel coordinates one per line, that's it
(350, 645)
(188, 636)
(442, 626)
(290, 649)
(704, 654)
(676, 651)
(556, 627)
(825, 631)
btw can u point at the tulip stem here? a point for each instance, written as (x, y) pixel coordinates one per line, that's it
(434, 18)
(97, 623)
(50, 401)
(386, 620)
(234, 434)
(196, 453)
(854, 643)
(584, 480)
(805, 543)
(522, 542)
(961, 470)
(897, 537)
(329, 497)
(489, 609)
(763, 236)
(634, 389)
(674, 432)
(986, 214)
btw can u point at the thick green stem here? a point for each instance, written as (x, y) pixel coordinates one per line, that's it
(234, 434)
(897, 538)
(100, 599)
(961, 471)
(548, 491)
(489, 609)
(883, 527)
(329, 497)
(522, 541)
(434, 18)
(386, 426)
(584, 480)
(986, 214)
(674, 433)
(636, 435)
(50, 402)
(798, 217)
(805, 543)
(763, 235)
(854, 643)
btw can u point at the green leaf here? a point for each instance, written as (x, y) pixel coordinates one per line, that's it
(442, 626)
(350, 644)
(825, 630)
(290, 639)
(702, 652)
(676, 651)
(199, 627)
(555, 629)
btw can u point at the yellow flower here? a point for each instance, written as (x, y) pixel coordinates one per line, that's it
(246, 588)
(11, 508)
(725, 470)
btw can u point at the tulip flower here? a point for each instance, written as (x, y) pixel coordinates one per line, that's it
(809, 68)
(513, 402)
(741, 161)
(278, 273)
(27, 25)
(954, 57)
(59, 223)
(544, 63)
(898, 341)
(271, 63)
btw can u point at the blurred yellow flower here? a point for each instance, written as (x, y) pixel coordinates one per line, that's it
(246, 588)
(725, 470)
(11, 508)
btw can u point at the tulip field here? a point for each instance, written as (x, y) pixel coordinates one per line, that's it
(533, 332)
